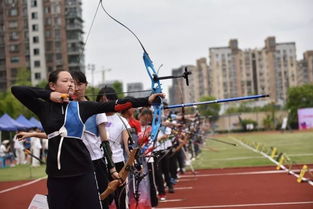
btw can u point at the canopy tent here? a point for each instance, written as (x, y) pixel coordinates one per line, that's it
(5, 127)
(22, 120)
(36, 122)
(10, 124)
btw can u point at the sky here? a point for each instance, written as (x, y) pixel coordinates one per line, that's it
(178, 32)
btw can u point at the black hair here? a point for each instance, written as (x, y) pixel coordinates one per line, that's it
(79, 76)
(109, 92)
(53, 77)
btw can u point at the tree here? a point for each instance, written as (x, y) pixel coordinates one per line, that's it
(9, 104)
(298, 97)
(118, 87)
(210, 110)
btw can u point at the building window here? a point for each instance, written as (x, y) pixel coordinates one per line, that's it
(36, 51)
(37, 63)
(58, 56)
(13, 12)
(13, 72)
(35, 27)
(14, 36)
(35, 39)
(34, 15)
(37, 76)
(14, 48)
(15, 59)
(13, 24)
(34, 3)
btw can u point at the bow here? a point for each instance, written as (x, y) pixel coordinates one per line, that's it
(155, 88)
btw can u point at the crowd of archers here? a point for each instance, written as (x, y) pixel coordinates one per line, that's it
(92, 144)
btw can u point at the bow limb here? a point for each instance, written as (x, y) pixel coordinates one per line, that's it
(113, 185)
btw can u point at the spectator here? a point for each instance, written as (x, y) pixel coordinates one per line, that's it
(6, 153)
(19, 150)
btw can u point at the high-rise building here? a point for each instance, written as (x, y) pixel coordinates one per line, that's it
(271, 70)
(179, 91)
(305, 68)
(225, 69)
(39, 36)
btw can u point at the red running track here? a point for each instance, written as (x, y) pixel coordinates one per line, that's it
(238, 188)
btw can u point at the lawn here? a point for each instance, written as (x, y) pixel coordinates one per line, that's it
(22, 172)
(298, 146)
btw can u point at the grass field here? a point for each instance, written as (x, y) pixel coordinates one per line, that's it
(22, 172)
(297, 145)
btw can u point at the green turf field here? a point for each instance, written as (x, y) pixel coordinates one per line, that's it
(298, 146)
(21, 172)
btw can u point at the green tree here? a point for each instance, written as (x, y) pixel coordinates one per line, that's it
(298, 97)
(210, 110)
(118, 86)
(9, 104)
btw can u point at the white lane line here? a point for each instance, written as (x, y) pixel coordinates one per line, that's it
(173, 200)
(258, 157)
(22, 185)
(182, 188)
(244, 205)
(274, 161)
(238, 173)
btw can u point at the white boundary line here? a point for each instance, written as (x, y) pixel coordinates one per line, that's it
(22, 185)
(182, 188)
(271, 159)
(239, 173)
(244, 205)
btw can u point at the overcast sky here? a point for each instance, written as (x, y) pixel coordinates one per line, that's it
(178, 32)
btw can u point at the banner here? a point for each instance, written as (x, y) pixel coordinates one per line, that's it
(305, 118)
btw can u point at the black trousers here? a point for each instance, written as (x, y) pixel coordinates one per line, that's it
(78, 192)
(102, 180)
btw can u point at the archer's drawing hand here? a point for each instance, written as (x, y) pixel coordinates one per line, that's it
(59, 97)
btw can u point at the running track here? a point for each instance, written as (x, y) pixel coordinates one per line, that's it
(239, 188)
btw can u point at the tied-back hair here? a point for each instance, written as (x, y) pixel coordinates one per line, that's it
(53, 77)
(108, 92)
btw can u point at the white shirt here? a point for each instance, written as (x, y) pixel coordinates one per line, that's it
(18, 144)
(93, 142)
(35, 143)
(115, 128)
(165, 143)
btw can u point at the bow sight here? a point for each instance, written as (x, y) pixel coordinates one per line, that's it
(184, 75)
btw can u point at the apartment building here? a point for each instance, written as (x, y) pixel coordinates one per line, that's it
(305, 68)
(271, 70)
(179, 92)
(14, 41)
(39, 36)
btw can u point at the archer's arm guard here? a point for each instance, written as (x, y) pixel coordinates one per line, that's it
(107, 153)
(126, 103)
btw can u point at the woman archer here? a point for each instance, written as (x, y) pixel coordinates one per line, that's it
(71, 182)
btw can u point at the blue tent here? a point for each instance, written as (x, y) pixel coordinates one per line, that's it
(36, 122)
(22, 120)
(5, 127)
(11, 124)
